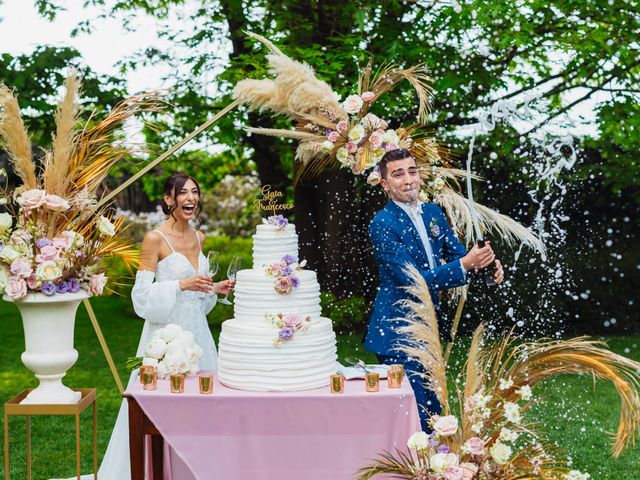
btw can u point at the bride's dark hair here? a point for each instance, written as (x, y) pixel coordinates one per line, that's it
(172, 187)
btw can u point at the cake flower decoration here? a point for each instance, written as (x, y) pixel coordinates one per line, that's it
(288, 324)
(284, 272)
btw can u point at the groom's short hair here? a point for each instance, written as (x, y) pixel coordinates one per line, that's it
(392, 156)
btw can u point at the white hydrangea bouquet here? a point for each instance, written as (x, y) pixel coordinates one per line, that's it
(171, 350)
(54, 232)
(490, 437)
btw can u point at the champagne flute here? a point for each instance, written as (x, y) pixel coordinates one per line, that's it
(213, 259)
(234, 267)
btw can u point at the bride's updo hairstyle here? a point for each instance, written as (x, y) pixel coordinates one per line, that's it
(172, 187)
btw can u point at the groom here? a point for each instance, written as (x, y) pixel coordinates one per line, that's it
(409, 232)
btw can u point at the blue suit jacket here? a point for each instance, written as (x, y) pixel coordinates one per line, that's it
(396, 243)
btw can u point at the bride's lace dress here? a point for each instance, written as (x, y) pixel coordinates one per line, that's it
(158, 299)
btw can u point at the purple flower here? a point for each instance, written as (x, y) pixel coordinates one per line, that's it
(443, 449)
(433, 441)
(289, 259)
(48, 288)
(278, 221)
(295, 281)
(62, 287)
(286, 271)
(285, 333)
(74, 285)
(43, 242)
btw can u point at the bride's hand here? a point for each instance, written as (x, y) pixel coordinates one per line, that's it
(224, 287)
(201, 283)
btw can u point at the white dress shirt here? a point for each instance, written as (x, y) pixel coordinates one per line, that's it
(415, 214)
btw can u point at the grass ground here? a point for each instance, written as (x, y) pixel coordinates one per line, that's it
(577, 413)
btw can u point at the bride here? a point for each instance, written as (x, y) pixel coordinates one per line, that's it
(172, 286)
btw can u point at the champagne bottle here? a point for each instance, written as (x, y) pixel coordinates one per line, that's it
(487, 274)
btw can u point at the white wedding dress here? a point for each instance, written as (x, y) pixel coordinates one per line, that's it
(161, 302)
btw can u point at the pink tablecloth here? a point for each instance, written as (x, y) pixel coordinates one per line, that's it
(313, 435)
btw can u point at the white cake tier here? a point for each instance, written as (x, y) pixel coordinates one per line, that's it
(248, 359)
(256, 295)
(271, 244)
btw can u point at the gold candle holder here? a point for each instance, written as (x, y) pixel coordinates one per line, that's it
(336, 383)
(177, 383)
(393, 380)
(149, 380)
(146, 368)
(372, 381)
(206, 384)
(397, 371)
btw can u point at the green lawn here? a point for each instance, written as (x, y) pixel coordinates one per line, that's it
(577, 413)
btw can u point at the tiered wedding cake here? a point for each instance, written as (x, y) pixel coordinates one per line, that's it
(277, 340)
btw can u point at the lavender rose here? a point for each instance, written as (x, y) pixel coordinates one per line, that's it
(285, 333)
(74, 285)
(62, 287)
(48, 288)
(42, 242)
(295, 281)
(289, 259)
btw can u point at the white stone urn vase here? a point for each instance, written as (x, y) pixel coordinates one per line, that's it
(48, 337)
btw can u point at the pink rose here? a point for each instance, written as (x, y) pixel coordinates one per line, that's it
(390, 146)
(20, 235)
(474, 446)
(454, 473)
(292, 321)
(49, 252)
(97, 283)
(62, 243)
(33, 283)
(375, 139)
(21, 268)
(283, 285)
(56, 203)
(333, 136)
(33, 198)
(16, 288)
(352, 104)
(351, 147)
(374, 177)
(469, 470)
(368, 96)
(445, 426)
(342, 126)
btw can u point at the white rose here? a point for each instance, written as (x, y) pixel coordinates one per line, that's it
(16, 288)
(327, 146)
(170, 332)
(390, 136)
(445, 426)
(352, 104)
(9, 254)
(162, 370)
(5, 221)
(418, 441)
(500, 453)
(356, 134)
(178, 345)
(512, 412)
(33, 198)
(55, 203)
(176, 362)
(4, 278)
(156, 348)
(48, 271)
(105, 227)
(441, 461)
(342, 155)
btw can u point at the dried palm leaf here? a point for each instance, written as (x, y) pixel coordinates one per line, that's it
(279, 132)
(421, 330)
(15, 139)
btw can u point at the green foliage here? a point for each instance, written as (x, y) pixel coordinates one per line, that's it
(349, 315)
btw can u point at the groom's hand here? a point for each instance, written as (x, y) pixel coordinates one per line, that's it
(478, 258)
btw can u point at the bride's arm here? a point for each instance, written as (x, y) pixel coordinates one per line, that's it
(152, 301)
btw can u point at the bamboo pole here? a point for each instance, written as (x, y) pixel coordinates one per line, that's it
(168, 153)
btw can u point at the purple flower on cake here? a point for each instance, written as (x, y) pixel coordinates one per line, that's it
(284, 271)
(289, 259)
(285, 333)
(277, 221)
(295, 281)
(48, 288)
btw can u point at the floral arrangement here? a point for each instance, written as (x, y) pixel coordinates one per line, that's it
(288, 324)
(334, 134)
(277, 221)
(490, 437)
(284, 272)
(55, 234)
(171, 350)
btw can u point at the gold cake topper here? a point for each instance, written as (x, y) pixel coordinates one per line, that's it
(271, 201)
